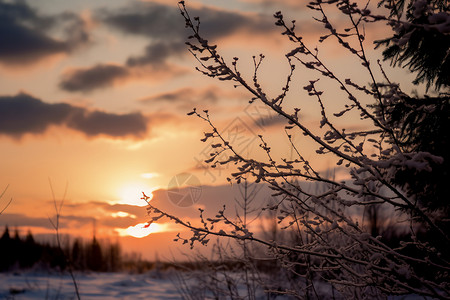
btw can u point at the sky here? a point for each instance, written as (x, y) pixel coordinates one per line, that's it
(94, 97)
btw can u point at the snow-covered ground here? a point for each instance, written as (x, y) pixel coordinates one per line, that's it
(91, 286)
(151, 286)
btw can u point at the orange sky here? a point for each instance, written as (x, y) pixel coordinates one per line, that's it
(94, 96)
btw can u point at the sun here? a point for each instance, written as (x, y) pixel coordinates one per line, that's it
(131, 193)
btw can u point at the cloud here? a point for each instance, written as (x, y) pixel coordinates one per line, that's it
(161, 22)
(23, 220)
(270, 120)
(156, 54)
(23, 114)
(151, 20)
(100, 76)
(24, 33)
(114, 125)
(87, 79)
(278, 4)
(65, 221)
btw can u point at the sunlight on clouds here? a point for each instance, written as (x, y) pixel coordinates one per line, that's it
(122, 214)
(128, 144)
(136, 145)
(149, 175)
(141, 230)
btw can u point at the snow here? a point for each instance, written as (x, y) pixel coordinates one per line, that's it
(102, 286)
(91, 286)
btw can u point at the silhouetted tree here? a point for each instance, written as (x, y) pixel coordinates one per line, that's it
(94, 256)
(25, 253)
(31, 251)
(421, 39)
(6, 251)
(78, 255)
(113, 257)
(421, 42)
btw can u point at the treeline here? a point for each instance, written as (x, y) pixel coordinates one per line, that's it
(18, 252)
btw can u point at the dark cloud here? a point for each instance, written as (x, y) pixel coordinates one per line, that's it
(218, 23)
(156, 54)
(270, 120)
(277, 5)
(14, 220)
(86, 80)
(24, 33)
(23, 114)
(164, 26)
(156, 21)
(65, 221)
(161, 22)
(101, 75)
(98, 122)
